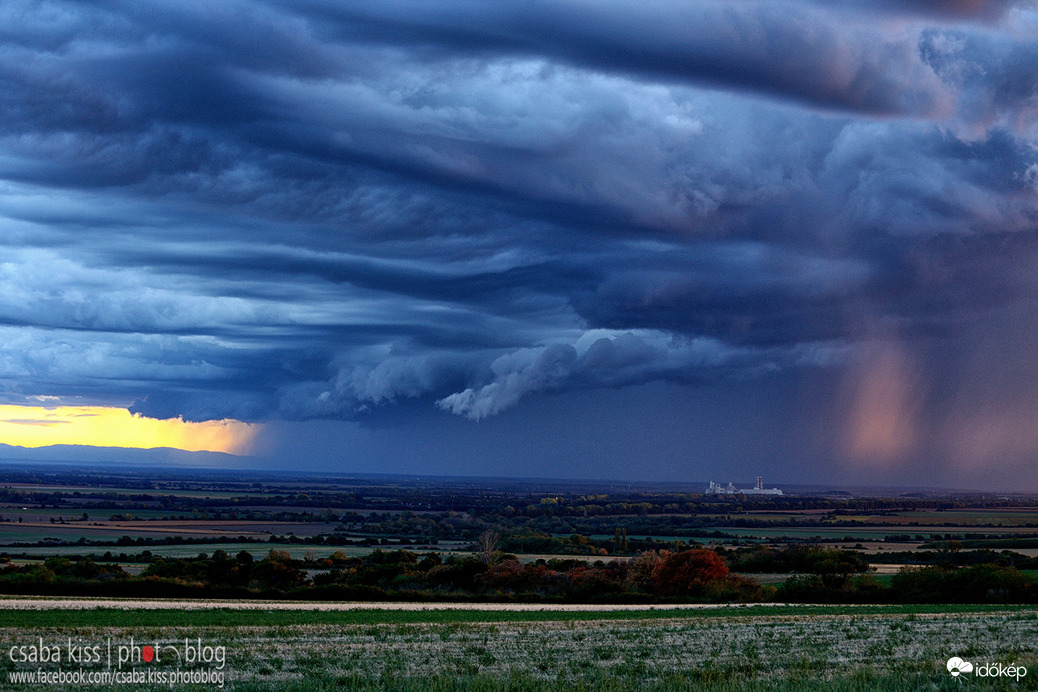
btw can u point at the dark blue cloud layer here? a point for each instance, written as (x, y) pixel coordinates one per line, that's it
(326, 209)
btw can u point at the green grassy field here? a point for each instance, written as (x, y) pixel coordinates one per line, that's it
(32, 532)
(258, 550)
(232, 617)
(623, 681)
(737, 648)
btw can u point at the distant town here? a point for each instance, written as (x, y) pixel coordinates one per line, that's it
(730, 489)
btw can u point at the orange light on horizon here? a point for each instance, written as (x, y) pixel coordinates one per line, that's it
(103, 426)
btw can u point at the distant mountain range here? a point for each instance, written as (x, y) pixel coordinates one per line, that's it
(159, 456)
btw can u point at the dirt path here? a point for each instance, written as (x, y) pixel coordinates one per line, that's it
(34, 603)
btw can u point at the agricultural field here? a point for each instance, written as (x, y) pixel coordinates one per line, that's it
(549, 587)
(961, 516)
(859, 532)
(1003, 518)
(111, 487)
(133, 518)
(257, 550)
(727, 648)
(178, 514)
(159, 528)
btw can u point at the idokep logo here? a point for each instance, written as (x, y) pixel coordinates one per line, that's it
(956, 666)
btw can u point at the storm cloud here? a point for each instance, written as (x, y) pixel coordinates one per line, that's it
(328, 210)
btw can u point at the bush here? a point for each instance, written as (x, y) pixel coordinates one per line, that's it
(688, 573)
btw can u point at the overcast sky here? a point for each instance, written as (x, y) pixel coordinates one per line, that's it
(646, 240)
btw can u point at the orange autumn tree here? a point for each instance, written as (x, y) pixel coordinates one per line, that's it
(688, 573)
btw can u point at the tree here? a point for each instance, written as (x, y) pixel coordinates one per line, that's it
(278, 571)
(688, 573)
(641, 569)
(485, 546)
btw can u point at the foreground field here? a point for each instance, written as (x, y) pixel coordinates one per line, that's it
(774, 647)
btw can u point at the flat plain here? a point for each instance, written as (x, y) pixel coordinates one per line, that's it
(729, 648)
(331, 530)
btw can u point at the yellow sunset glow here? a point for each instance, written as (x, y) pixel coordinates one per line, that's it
(39, 426)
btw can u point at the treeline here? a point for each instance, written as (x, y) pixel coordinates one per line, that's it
(823, 575)
(800, 559)
(820, 560)
(691, 575)
(986, 583)
(964, 558)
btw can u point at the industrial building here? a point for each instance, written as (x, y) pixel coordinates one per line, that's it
(730, 489)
